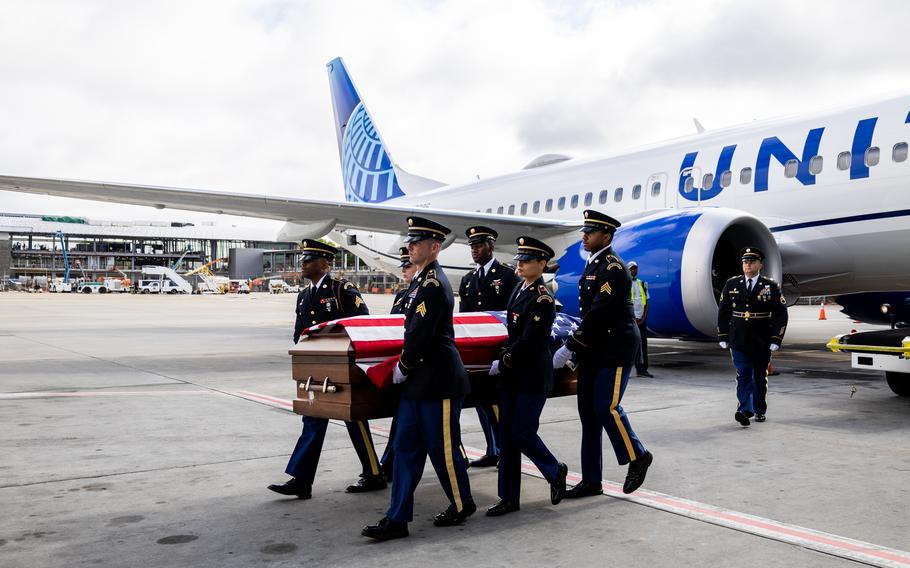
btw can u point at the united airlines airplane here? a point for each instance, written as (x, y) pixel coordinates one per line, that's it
(826, 196)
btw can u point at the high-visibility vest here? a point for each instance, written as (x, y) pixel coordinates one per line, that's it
(641, 287)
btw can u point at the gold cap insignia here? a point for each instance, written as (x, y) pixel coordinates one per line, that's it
(410, 222)
(473, 231)
(521, 241)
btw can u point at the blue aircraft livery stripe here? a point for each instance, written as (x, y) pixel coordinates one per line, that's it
(842, 220)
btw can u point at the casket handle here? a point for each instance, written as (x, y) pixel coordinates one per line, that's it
(309, 379)
(326, 387)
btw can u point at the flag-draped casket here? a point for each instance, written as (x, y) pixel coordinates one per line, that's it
(343, 368)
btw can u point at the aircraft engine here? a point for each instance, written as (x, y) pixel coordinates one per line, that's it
(685, 256)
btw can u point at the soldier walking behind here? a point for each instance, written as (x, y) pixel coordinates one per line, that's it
(751, 322)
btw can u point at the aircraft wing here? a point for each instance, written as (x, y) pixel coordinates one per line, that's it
(307, 215)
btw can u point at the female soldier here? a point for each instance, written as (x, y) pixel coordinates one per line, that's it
(527, 377)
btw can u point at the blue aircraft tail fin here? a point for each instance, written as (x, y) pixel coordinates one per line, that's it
(367, 168)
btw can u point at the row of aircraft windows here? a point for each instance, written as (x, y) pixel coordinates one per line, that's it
(871, 158)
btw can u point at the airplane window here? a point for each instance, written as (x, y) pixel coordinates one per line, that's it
(745, 176)
(536, 207)
(524, 208)
(511, 209)
(561, 204)
(689, 187)
(872, 156)
(549, 204)
(574, 201)
(499, 210)
(843, 161)
(655, 189)
(589, 197)
(604, 195)
(816, 164)
(617, 194)
(636, 191)
(899, 153)
(726, 178)
(707, 182)
(790, 168)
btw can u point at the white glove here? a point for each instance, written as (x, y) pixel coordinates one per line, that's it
(774, 347)
(494, 368)
(723, 345)
(561, 357)
(397, 376)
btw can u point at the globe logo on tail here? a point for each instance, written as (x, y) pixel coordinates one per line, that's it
(367, 169)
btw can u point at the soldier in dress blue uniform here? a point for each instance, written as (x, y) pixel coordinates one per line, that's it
(751, 321)
(486, 288)
(604, 345)
(527, 376)
(434, 384)
(407, 274)
(324, 300)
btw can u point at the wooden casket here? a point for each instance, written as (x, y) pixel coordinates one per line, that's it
(332, 381)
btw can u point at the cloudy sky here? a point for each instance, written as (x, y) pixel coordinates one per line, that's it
(232, 95)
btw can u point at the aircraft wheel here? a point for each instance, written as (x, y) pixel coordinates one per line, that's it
(899, 382)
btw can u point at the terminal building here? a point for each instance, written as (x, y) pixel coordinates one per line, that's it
(31, 251)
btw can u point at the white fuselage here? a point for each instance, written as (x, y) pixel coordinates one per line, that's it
(841, 227)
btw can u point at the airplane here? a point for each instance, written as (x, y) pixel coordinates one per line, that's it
(825, 196)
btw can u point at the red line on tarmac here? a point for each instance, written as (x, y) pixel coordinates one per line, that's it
(24, 395)
(826, 543)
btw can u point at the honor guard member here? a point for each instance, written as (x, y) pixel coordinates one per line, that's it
(407, 274)
(527, 376)
(486, 288)
(604, 345)
(324, 300)
(434, 383)
(751, 321)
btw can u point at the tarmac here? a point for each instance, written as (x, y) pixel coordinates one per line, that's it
(143, 430)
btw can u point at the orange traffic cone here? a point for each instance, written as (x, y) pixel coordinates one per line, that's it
(821, 314)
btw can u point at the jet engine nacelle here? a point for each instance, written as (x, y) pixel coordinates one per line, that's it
(685, 256)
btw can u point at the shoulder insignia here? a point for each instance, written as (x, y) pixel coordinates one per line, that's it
(349, 285)
(430, 282)
(613, 265)
(545, 298)
(536, 318)
(358, 301)
(783, 300)
(606, 288)
(543, 289)
(421, 309)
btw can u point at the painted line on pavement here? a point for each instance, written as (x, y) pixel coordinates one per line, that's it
(65, 394)
(834, 545)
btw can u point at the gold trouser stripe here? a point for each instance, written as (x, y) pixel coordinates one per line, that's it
(447, 448)
(495, 408)
(617, 383)
(371, 451)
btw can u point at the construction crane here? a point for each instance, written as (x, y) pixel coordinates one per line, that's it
(204, 267)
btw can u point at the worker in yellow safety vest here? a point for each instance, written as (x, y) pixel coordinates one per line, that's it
(640, 297)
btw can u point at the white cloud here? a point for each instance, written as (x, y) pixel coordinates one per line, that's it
(233, 95)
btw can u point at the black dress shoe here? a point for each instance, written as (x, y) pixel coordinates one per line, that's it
(368, 483)
(637, 471)
(502, 508)
(485, 461)
(558, 487)
(584, 489)
(741, 418)
(645, 374)
(293, 487)
(386, 529)
(760, 418)
(451, 517)
(749, 414)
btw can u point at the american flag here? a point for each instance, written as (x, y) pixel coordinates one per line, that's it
(377, 340)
